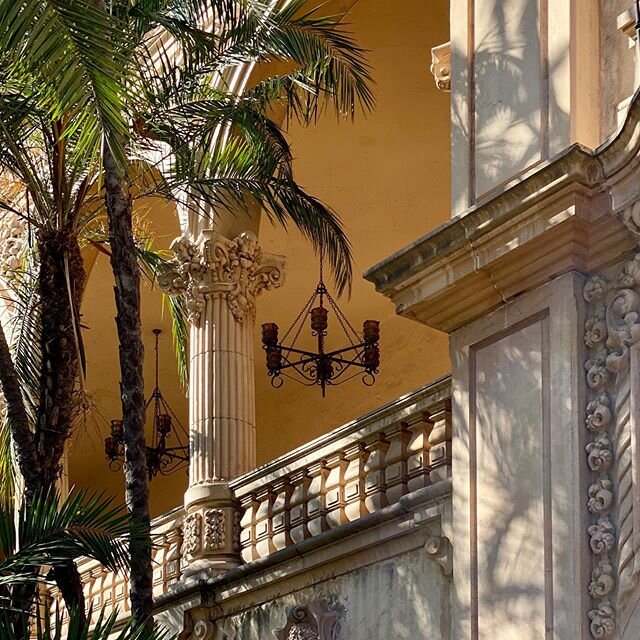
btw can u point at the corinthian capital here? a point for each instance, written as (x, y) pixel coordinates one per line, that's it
(237, 269)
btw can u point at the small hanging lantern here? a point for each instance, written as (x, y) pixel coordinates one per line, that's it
(361, 358)
(161, 458)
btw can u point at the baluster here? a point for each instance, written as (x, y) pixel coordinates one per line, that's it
(418, 452)
(298, 515)
(317, 498)
(440, 442)
(281, 536)
(335, 499)
(159, 559)
(264, 541)
(396, 473)
(374, 472)
(172, 560)
(354, 481)
(248, 536)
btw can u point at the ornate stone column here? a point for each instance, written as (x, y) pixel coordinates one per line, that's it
(220, 280)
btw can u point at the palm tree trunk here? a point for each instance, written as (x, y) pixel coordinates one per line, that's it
(18, 420)
(127, 293)
(61, 281)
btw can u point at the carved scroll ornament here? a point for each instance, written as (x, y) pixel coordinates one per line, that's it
(237, 269)
(311, 621)
(612, 332)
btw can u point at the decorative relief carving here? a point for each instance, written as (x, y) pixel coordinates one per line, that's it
(312, 621)
(600, 453)
(602, 622)
(611, 331)
(13, 235)
(441, 66)
(602, 536)
(204, 630)
(439, 548)
(214, 530)
(237, 269)
(602, 581)
(192, 533)
(599, 413)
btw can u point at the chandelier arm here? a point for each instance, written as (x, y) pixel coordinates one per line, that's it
(355, 347)
(355, 375)
(295, 366)
(311, 381)
(302, 352)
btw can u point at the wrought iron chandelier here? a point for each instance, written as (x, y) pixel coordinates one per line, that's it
(161, 458)
(322, 367)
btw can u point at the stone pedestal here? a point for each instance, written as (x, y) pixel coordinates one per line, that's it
(220, 280)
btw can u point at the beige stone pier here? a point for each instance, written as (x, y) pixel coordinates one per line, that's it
(220, 280)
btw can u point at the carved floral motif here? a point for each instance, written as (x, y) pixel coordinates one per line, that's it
(602, 622)
(214, 529)
(599, 413)
(600, 496)
(236, 269)
(602, 536)
(602, 581)
(600, 453)
(192, 532)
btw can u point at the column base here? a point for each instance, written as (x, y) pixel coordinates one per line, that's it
(211, 531)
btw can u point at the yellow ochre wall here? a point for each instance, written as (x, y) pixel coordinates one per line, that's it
(88, 466)
(387, 175)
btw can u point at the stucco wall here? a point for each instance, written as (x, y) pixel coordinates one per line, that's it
(387, 176)
(617, 63)
(403, 598)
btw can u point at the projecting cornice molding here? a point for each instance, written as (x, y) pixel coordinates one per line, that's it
(578, 211)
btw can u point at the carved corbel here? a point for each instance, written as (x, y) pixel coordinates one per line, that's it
(441, 66)
(440, 550)
(312, 621)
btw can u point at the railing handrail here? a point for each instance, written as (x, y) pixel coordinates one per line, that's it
(397, 410)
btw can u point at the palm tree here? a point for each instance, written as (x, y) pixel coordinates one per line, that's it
(39, 537)
(159, 65)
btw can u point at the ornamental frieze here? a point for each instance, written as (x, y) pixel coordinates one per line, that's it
(237, 270)
(611, 334)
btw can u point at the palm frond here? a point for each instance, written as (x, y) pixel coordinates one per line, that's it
(153, 263)
(235, 180)
(74, 48)
(49, 531)
(78, 627)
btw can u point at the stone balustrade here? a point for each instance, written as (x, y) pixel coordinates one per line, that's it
(105, 589)
(348, 473)
(353, 471)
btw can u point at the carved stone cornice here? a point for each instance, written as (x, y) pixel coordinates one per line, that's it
(238, 269)
(441, 66)
(578, 211)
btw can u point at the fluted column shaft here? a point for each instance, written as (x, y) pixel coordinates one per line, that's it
(222, 394)
(220, 280)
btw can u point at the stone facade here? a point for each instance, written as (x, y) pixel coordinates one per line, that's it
(499, 502)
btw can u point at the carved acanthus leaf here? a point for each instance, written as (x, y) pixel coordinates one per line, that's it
(236, 269)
